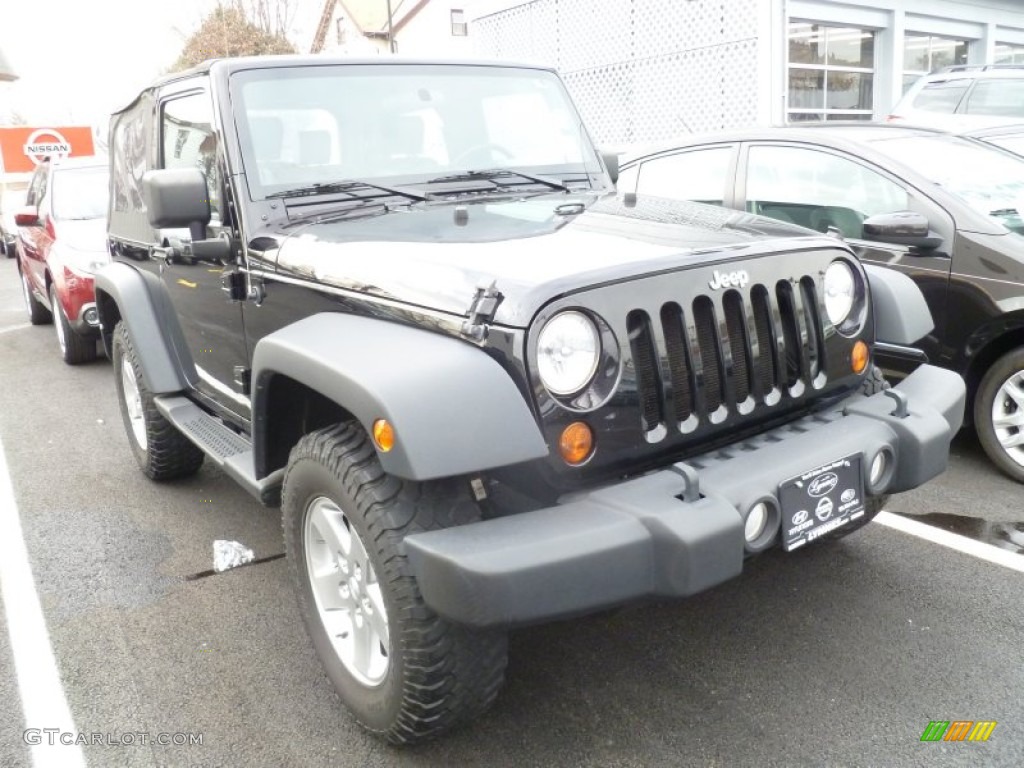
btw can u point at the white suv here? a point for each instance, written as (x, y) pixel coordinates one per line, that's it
(965, 97)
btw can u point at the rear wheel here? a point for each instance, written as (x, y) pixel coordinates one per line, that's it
(999, 414)
(37, 313)
(404, 672)
(162, 451)
(74, 348)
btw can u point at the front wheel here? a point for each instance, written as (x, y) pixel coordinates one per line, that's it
(999, 414)
(162, 451)
(405, 673)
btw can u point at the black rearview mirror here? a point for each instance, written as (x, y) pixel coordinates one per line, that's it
(901, 228)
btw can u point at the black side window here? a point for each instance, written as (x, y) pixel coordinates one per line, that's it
(943, 96)
(189, 140)
(997, 97)
(698, 175)
(37, 187)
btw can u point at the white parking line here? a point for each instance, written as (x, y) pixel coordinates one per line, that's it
(977, 549)
(42, 695)
(15, 328)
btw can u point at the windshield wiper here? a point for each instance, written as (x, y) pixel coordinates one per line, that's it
(350, 186)
(492, 174)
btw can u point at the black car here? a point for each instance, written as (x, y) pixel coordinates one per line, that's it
(401, 300)
(945, 210)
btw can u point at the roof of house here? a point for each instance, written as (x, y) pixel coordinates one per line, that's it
(371, 16)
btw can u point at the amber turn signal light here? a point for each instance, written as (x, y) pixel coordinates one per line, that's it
(383, 435)
(576, 443)
(859, 357)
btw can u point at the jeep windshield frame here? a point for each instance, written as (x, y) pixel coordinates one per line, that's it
(399, 125)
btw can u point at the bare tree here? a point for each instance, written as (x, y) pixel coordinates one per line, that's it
(239, 28)
(272, 16)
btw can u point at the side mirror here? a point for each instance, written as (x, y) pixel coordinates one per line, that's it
(176, 198)
(27, 216)
(901, 228)
(611, 162)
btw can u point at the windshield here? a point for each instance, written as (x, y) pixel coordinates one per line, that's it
(988, 180)
(396, 123)
(79, 193)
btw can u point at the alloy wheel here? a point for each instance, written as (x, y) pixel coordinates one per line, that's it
(1008, 416)
(347, 594)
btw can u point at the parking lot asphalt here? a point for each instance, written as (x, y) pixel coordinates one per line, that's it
(837, 654)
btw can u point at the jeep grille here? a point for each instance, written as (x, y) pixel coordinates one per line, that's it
(721, 354)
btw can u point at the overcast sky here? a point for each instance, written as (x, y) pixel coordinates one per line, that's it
(77, 61)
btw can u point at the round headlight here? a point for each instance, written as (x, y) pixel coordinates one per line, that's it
(840, 292)
(567, 352)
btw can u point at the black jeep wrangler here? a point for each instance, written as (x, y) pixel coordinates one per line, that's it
(401, 300)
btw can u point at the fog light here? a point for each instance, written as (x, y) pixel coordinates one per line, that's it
(383, 435)
(576, 443)
(757, 519)
(91, 316)
(878, 467)
(859, 357)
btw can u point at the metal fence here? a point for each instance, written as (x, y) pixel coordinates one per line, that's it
(639, 70)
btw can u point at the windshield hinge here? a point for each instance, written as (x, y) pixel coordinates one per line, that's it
(481, 311)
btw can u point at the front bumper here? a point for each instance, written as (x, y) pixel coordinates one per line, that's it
(639, 538)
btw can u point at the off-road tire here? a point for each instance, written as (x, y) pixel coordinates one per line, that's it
(167, 454)
(76, 349)
(439, 674)
(37, 313)
(999, 373)
(872, 385)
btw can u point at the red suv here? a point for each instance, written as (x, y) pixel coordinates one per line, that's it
(61, 244)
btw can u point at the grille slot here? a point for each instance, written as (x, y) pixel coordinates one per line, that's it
(736, 328)
(812, 319)
(645, 361)
(767, 366)
(790, 332)
(710, 352)
(673, 324)
(755, 341)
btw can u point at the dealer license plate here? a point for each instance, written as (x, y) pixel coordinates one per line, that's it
(821, 500)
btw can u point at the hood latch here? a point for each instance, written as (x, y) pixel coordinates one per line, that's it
(481, 311)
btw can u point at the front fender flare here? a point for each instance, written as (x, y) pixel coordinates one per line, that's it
(454, 409)
(901, 312)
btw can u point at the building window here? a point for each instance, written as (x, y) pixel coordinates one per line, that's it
(831, 72)
(1006, 53)
(339, 29)
(459, 26)
(923, 54)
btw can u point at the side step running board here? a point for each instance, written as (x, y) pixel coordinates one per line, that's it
(229, 450)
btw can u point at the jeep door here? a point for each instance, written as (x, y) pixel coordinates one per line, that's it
(830, 190)
(210, 322)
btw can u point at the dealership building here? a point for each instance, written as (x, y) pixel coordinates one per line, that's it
(646, 70)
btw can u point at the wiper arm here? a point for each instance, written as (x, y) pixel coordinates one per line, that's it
(349, 186)
(491, 174)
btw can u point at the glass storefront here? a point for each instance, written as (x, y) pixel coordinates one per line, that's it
(831, 72)
(923, 54)
(1007, 53)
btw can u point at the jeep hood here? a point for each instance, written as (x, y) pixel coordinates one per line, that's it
(536, 250)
